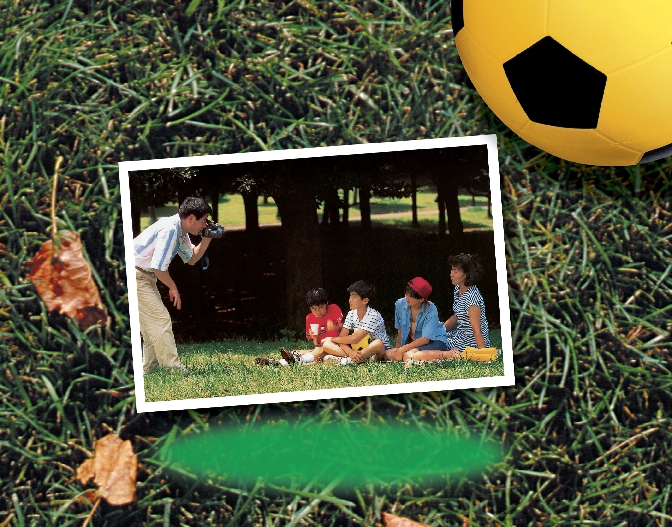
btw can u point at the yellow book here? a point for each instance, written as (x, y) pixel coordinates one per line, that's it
(479, 354)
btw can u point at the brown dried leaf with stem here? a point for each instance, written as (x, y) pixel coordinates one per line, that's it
(63, 279)
(62, 276)
(113, 469)
(392, 520)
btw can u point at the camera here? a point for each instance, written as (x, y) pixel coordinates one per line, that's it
(212, 230)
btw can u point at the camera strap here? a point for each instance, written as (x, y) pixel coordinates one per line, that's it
(205, 261)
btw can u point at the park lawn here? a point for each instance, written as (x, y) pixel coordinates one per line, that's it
(232, 210)
(223, 369)
(473, 218)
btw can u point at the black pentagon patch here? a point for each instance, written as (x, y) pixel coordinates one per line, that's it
(555, 87)
(655, 155)
(457, 15)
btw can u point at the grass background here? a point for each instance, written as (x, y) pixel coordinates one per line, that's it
(222, 369)
(585, 435)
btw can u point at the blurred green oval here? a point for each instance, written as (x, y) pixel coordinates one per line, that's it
(352, 453)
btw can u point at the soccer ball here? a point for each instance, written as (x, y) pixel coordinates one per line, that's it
(363, 343)
(586, 80)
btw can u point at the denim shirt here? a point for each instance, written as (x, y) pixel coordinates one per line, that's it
(427, 323)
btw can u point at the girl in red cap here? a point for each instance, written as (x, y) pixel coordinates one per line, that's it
(468, 326)
(417, 321)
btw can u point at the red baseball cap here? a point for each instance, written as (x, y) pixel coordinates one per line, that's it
(421, 286)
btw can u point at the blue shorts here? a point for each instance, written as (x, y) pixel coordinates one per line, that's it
(434, 345)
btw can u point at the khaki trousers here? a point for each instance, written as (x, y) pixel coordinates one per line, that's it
(156, 326)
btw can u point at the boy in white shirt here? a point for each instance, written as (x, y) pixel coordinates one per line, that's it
(363, 320)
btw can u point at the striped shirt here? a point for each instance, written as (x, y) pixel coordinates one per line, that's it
(372, 322)
(463, 335)
(157, 245)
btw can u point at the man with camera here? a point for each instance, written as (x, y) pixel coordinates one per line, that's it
(154, 249)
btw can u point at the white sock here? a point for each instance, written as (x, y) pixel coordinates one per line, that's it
(306, 358)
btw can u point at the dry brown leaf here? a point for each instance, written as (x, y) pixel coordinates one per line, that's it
(392, 520)
(63, 280)
(113, 468)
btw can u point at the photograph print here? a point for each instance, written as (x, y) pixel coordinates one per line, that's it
(317, 273)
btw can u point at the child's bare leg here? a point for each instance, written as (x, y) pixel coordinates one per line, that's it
(417, 354)
(393, 354)
(345, 350)
(376, 348)
(331, 348)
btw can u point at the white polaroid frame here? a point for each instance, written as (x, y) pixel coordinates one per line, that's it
(507, 379)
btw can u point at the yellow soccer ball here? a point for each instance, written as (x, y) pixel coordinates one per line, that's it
(362, 343)
(586, 80)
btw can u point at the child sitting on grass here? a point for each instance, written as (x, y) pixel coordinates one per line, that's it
(329, 320)
(468, 326)
(363, 320)
(417, 321)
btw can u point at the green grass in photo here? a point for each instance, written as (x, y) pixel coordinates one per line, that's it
(474, 218)
(231, 211)
(224, 369)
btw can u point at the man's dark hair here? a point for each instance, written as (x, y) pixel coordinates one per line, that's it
(470, 265)
(195, 206)
(363, 289)
(412, 293)
(316, 297)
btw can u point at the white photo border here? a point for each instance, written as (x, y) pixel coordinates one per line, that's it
(490, 141)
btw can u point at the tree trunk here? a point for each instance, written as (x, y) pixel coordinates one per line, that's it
(365, 206)
(442, 213)
(250, 199)
(330, 214)
(335, 211)
(346, 206)
(303, 255)
(453, 210)
(135, 219)
(414, 201)
(214, 203)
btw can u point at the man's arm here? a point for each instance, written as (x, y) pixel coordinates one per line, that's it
(173, 293)
(199, 251)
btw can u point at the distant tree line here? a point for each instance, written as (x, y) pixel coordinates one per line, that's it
(299, 186)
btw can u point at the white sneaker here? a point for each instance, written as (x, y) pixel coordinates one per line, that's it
(306, 358)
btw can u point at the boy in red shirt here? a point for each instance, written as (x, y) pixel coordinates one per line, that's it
(325, 317)
(328, 317)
